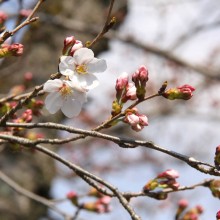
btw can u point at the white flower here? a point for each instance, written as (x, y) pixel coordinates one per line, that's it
(81, 66)
(64, 95)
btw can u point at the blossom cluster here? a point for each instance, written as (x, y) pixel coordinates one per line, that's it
(77, 67)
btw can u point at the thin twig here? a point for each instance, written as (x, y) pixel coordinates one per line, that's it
(77, 213)
(18, 97)
(108, 122)
(30, 195)
(207, 72)
(27, 21)
(24, 101)
(104, 29)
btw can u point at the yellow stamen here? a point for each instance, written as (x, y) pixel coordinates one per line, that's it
(81, 69)
(65, 90)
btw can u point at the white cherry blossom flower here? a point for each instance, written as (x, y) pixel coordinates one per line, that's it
(64, 95)
(81, 68)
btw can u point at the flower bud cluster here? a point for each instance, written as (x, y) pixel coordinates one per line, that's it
(15, 49)
(191, 214)
(100, 205)
(164, 180)
(135, 119)
(214, 186)
(184, 92)
(140, 78)
(126, 91)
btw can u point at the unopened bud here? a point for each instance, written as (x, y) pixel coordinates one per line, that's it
(68, 43)
(140, 78)
(11, 50)
(169, 174)
(122, 81)
(78, 44)
(28, 76)
(183, 92)
(214, 186)
(3, 17)
(73, 197)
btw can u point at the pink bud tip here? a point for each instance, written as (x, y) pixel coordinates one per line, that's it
(71, 195)
(170, 174)
(183, 203)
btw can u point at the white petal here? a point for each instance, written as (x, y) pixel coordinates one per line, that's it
(67, 65)
(87, 82)
(83, 56)
(74, 84)
(71, 108)
(80, 96)
(96, 66)
(53, 102)
(52, 85)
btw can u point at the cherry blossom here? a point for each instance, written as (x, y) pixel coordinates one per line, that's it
(64, 95)
(81, 66)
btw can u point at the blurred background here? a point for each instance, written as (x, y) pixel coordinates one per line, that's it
(178, 41)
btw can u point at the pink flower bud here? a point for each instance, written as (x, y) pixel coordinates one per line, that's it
(3, 17)
(183, 92)
(186, 91)
(183, 203)
(68, 43)
(105, 200)
(73, 197)
(122, 81)
(214, 186)
(132, 119)
(28, 76)
(141, 75)
(136, 120)
(169, 174)
(130, 92)
(143, 120)
(140, 78)
(199, 209)
(27, 115)
(16, 49)
(218, 215)
(78, 44)
(11, 50)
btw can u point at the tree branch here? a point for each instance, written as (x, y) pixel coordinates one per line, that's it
(31, 195)
(121, 142)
